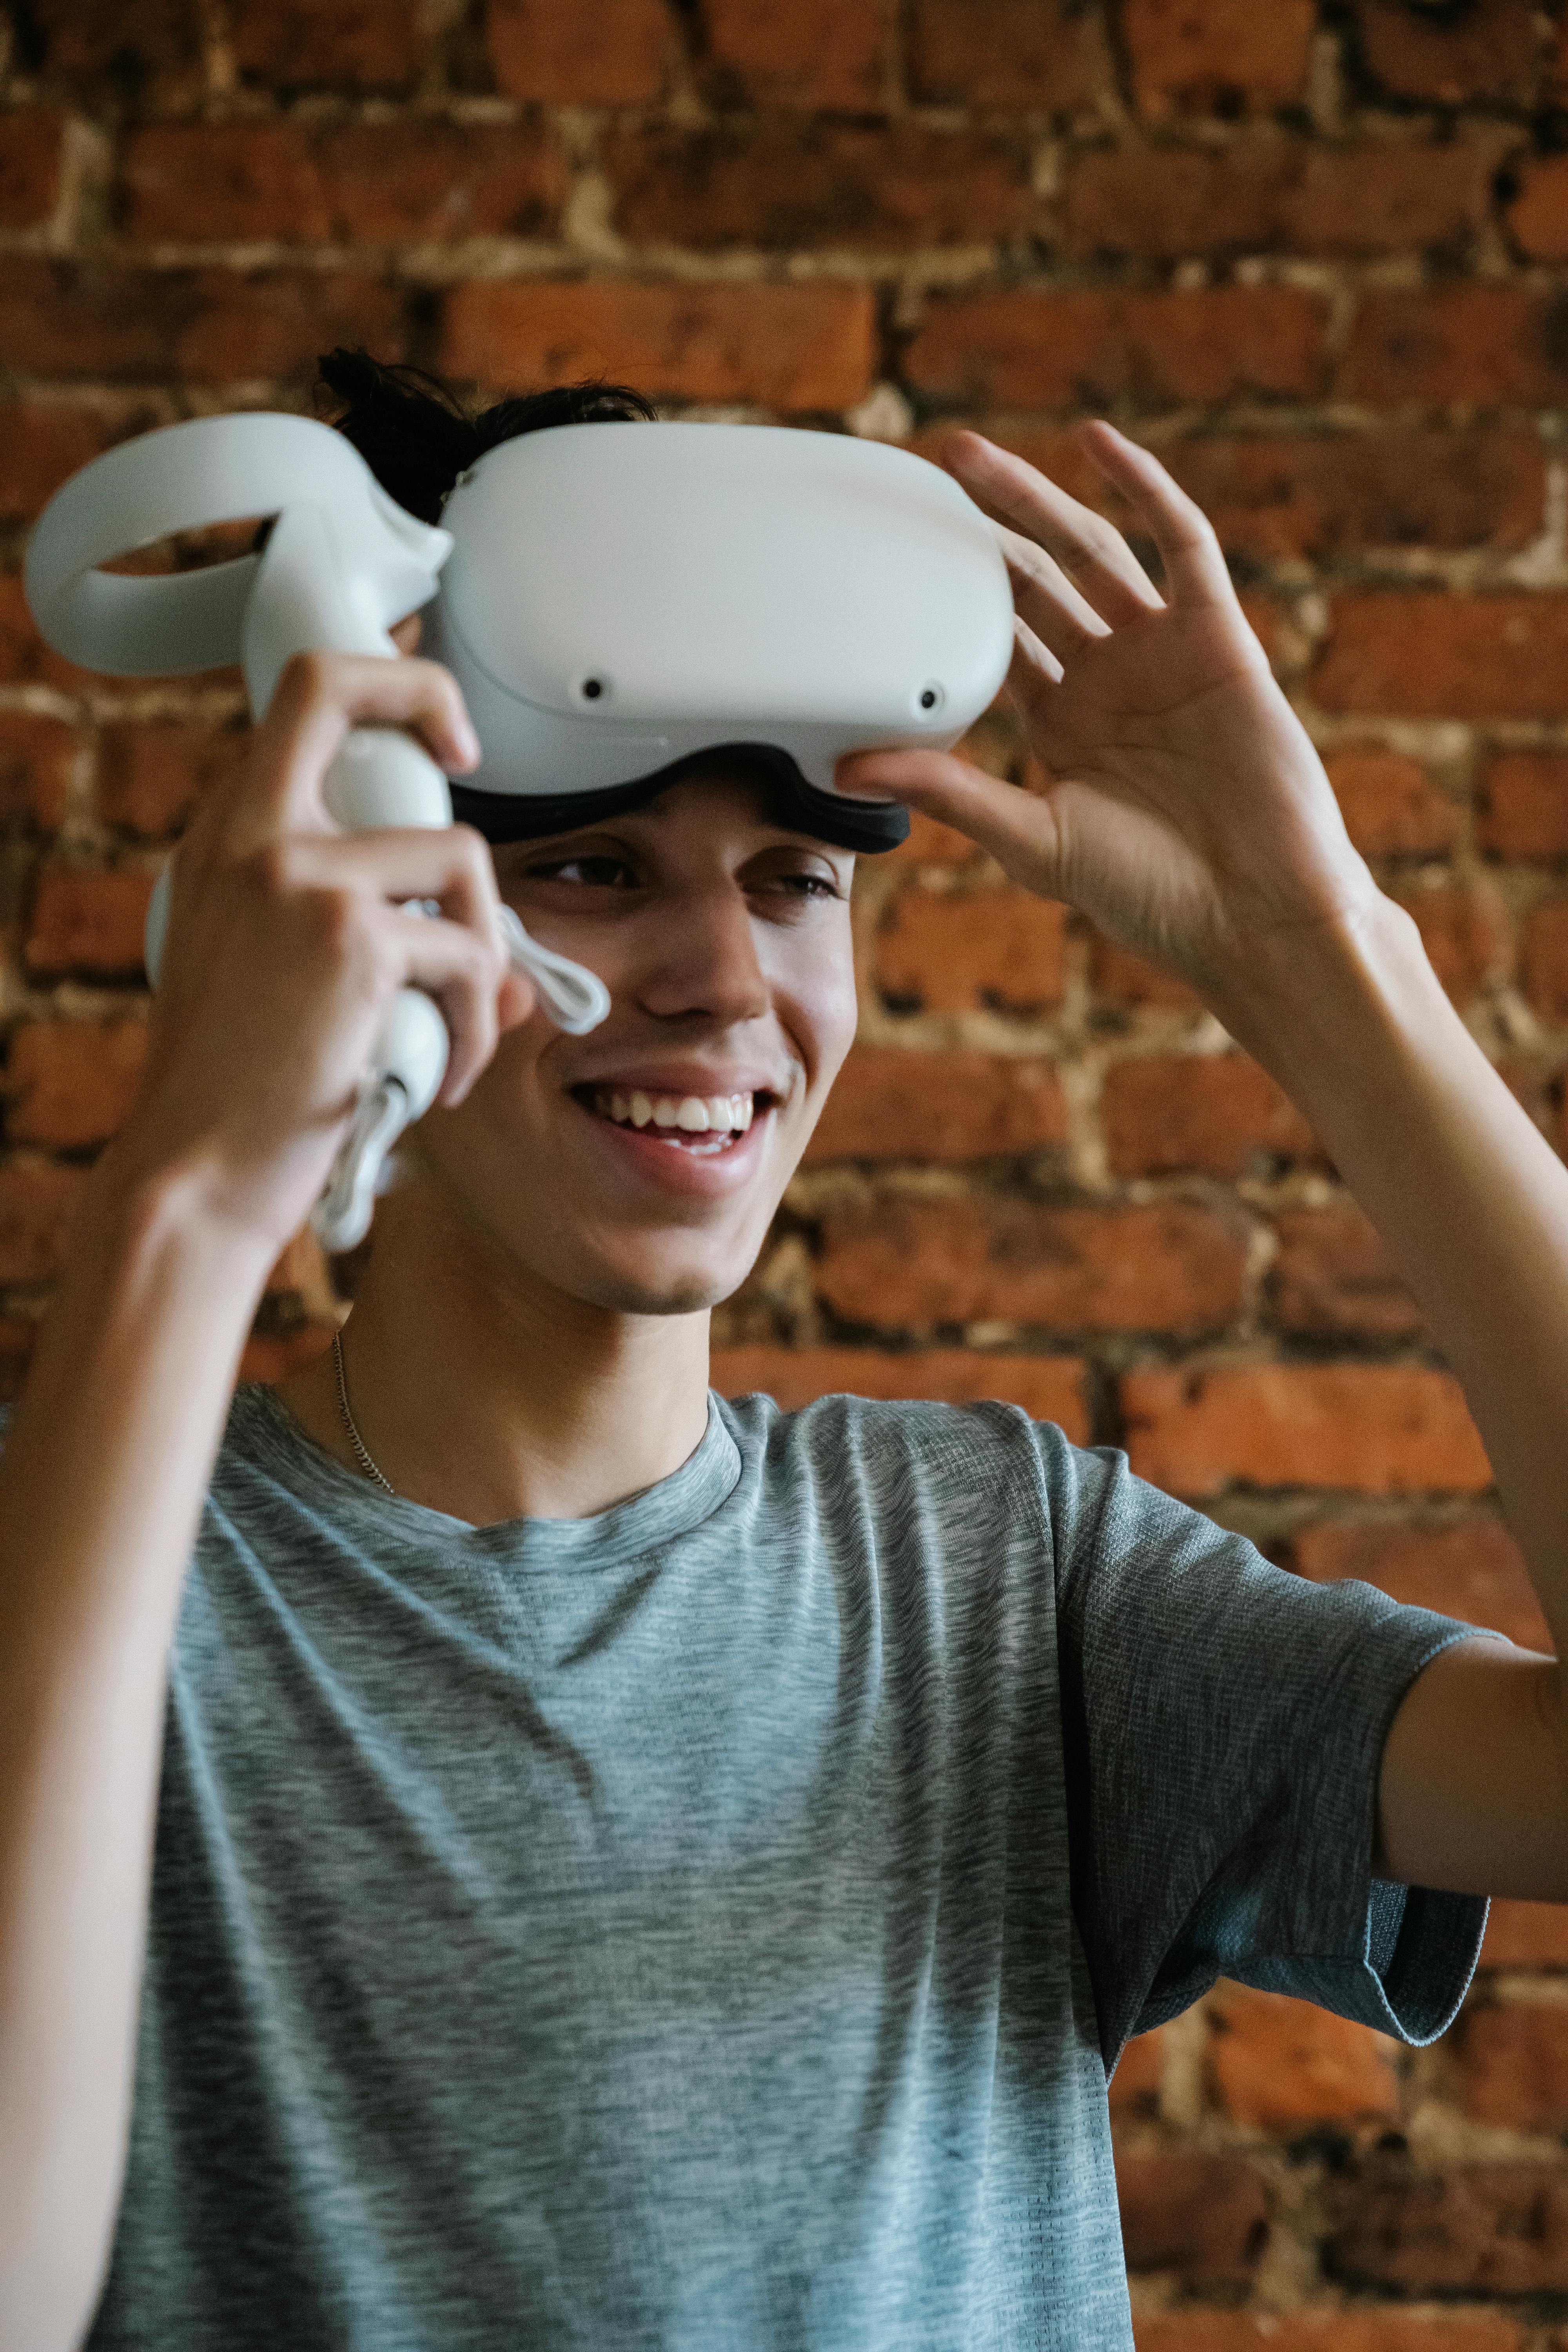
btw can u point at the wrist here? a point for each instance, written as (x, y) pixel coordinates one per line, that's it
(147, 1201)
(1298, 986)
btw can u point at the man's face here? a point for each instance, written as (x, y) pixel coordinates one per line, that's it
(638, 1168)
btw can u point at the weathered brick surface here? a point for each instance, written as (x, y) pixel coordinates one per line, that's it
(1048, 1388)
(1497, 2229)
(1079, 349)
(1426, 656)
(1312, 254)
(1284, 2063)
(953, 952)
(1044, 55)
(1378, 1429)
(1205, 2217)
(69, 1084)
(1471, 1571)
(837, 185)
(1217, 1113)
(1333, 1274)
(796, 347)
(333, 183)
(890, 1103)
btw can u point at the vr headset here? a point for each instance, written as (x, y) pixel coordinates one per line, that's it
(615, 600)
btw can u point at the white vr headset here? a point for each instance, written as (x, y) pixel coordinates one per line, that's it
(615, 598)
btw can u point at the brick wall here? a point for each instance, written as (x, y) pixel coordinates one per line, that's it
(1318, 257)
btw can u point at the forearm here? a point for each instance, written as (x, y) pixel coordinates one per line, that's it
(100, 1489)
(1469, 1197)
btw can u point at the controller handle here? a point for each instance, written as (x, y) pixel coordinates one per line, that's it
(342, 561)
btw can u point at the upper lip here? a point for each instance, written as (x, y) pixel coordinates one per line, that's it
(668, 1078)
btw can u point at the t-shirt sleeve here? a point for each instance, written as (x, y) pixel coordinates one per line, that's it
(1224, 1724)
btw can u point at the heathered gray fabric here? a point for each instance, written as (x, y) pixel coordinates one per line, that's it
(658, 1930)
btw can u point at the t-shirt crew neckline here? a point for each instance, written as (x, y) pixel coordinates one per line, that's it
(263, 1429)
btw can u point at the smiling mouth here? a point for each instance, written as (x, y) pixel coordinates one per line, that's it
(699, 1125)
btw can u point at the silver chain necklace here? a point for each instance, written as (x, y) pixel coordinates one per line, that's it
(362, 1450)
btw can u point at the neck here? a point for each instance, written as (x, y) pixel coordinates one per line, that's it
(484, 1392)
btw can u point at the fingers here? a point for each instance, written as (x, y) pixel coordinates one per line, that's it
(1017, 829)
(1195, 567)
(319, 698)
(1045, 599)
(1084, 544)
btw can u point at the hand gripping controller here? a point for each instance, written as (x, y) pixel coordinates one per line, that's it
(342, 562)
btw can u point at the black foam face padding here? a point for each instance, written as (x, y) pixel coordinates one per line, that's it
(868, 827)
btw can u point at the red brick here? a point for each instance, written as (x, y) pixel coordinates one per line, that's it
(1217, 1113)
(1426, 656)
(816, 53)
(361, 43)
(140, 48)
(789, 184)
(1539, 214)
(35, 758)
(1495, 2229)
(150, 777)
(207, 325)
(1204, 2216)
(1171, 202)
(1335, 495)
(1281, 2063)
(1485, 50)
(1523, 805)
(790, 347)
(931, 844)
(1545, 960)
(1140, 2073)
(24, 660)
(1488, 345)
(1042, 55)
(1390, 804)
(1327, 2331)
(1526, 1935)
(37, 1204)
(32, 149)
(917, 1264)
(88, 920)
(1376, 1429)
(952, 952)
(1094, 347)
(72, 1083)
(1209, 56)
(1048, 1388)
(423, 178)
(615, 54)
(1122, 978)
(1333, 1274)
(1473, 1572)
(1459, 936)
(1514, 2066)
(42, 443)
(889, 1103)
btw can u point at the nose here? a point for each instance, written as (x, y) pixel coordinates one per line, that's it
(703, 960)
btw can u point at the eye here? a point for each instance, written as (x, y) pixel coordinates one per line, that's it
(586, 871)
(797, 888)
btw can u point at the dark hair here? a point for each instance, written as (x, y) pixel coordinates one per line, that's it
(416, 437)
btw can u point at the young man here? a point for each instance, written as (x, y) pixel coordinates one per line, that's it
(635, 1871)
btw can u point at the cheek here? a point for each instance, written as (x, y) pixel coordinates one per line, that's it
(821, 1011)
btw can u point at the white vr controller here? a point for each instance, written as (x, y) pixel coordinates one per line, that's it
(620, 598)
(342, 562)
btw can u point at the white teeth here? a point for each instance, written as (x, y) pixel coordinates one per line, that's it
(726, 1114)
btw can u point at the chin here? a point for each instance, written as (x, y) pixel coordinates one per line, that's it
(665, 1290)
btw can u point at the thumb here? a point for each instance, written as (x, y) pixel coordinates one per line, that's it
(1018, 830)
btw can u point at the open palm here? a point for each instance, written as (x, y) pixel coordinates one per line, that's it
(1187, 812)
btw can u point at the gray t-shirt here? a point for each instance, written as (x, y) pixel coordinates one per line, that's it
(707, 1925)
